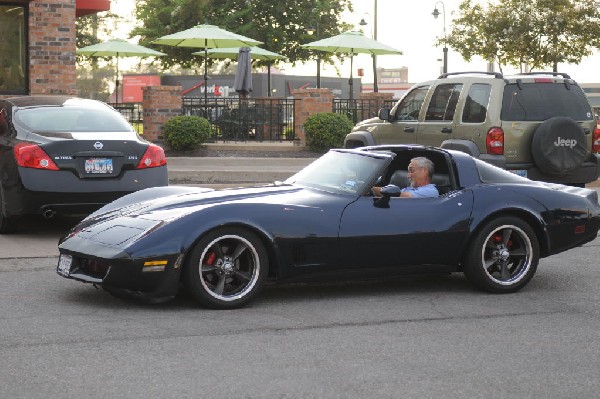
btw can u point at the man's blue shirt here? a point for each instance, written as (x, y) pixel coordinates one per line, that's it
(426, 191)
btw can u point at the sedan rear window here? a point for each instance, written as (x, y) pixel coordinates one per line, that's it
(71, 119)
(541, 101)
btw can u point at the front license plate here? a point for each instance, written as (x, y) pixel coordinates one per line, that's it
(519, 172)
(64, 264)
(99, 165)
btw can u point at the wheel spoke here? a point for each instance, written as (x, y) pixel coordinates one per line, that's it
(220, 287)
(207, 268)
(218, 250)
(243, 275)
(506, 233)
(504, 271)
(489, 263)
(241, 247)
(519, 252)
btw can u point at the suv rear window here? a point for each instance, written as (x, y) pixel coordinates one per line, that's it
(541, 101)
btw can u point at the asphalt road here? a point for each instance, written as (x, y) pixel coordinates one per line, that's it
(414, 337)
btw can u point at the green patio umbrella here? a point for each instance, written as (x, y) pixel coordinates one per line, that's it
(352, 42)
(206, 37)
(118, 48)
(256, 53)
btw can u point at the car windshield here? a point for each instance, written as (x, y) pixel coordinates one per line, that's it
(71, 119)
(341, 172)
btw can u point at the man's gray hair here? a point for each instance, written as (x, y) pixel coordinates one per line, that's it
(423, 162)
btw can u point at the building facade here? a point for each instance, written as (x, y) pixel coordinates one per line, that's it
(37, 49)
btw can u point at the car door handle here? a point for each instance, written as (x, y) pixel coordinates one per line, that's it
(409, 129)
(446, 130)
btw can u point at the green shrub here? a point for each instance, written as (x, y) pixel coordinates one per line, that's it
(186, 132)
(326, 130)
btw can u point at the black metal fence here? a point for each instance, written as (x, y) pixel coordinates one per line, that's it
(241, 120)
(261, 119)
(361, 109)
(133, 112)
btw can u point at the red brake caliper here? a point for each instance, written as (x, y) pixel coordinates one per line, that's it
(210, 259)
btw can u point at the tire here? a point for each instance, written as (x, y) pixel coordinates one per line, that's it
(559, 146)
(226, 269)
(7, 224)
(503, 256)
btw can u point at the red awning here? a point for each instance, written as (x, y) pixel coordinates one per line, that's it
(87, 7)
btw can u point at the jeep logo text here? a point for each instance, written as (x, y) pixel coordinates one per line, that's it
(565, 142)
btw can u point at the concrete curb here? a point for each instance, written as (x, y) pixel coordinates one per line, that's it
(211, 170)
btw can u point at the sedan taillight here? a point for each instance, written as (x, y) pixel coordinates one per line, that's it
(494, 141)
(596, 140)
(33, 156)
(153, 157)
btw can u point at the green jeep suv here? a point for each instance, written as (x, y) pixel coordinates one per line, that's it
(538, 125)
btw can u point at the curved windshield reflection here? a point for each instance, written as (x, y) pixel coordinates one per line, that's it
(341, 172)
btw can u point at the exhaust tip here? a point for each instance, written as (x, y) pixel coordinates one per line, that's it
(49, 213)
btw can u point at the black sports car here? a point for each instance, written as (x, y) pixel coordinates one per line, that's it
(69, 155)
(223, 245)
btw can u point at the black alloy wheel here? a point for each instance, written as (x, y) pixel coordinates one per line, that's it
(226, 269)
(503, 256)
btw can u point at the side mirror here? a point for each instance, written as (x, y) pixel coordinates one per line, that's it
(384, 114)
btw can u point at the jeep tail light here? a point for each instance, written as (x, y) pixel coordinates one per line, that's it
(494, 141)
(596, 140)
(153, 157)
(33, 156)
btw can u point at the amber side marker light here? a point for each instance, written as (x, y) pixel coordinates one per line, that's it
(155, 266)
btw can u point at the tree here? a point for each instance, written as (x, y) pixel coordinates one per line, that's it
(539, 33)
(281, 25)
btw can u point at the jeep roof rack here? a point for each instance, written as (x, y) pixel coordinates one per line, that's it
(564, 75)
(496, 75)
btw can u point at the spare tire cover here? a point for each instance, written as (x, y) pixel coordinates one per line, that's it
(559, 146)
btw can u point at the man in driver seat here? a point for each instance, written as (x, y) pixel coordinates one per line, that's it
(420, 171)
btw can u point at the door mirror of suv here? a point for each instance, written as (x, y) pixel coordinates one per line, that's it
(384, 114)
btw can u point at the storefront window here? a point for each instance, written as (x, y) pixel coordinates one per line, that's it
(13, 49)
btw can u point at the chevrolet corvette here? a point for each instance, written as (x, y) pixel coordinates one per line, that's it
(222, 246)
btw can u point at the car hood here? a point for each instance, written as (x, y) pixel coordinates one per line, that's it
(169, 207)
(367, 123)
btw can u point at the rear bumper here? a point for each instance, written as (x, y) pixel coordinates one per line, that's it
(63, 192)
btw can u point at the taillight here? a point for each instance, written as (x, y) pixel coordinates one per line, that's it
(596, 140)
(32, 156)
(153, 157)
(494, 141)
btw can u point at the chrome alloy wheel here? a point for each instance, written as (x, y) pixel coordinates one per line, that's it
(507, 255)
(229, 267)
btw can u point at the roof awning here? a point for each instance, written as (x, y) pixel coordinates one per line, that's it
(87, 7)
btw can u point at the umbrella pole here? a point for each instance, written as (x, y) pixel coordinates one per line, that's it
(205, 79)
(350, 82)
(269, 79)
(117, 81)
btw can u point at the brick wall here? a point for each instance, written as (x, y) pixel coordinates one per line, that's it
(52, 47)
(312, 101)
(160, 103)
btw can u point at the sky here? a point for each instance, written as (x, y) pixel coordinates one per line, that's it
(408, 26)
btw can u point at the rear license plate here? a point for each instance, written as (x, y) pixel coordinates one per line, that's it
(64, 264)
(99, 166)
(519, 172)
